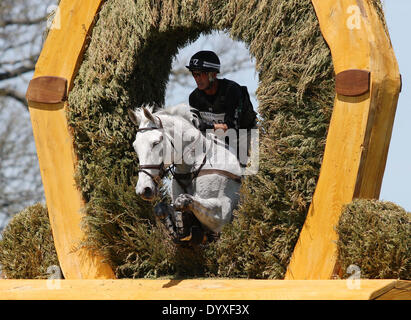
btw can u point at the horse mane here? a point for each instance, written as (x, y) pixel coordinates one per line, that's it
(185, 111)
(182, 110)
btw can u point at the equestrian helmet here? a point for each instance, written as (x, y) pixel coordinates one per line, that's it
(206, 61)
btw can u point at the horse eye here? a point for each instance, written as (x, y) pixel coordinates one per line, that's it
(157, 142)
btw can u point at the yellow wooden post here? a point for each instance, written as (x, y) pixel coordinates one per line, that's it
(60, 57)
(359, 133)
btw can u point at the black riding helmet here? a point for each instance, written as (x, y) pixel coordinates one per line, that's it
(204, 60)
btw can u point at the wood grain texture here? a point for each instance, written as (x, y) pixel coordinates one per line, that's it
(359, 133)
(400, 290)
(60, 57)
(217, 289)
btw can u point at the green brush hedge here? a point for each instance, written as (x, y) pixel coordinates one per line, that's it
(376, 237)
(26, 246)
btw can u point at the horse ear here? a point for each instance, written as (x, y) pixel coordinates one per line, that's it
(150, 117)
(134, 117)
(148, 114)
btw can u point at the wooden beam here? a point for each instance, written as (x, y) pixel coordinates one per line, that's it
(60, 57)
(400, 290)
(359, 133)
(203, 289)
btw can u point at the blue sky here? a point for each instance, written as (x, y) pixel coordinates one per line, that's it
(396, 185)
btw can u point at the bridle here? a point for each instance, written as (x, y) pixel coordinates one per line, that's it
(160, 167)
(190, 176)
(162, 170)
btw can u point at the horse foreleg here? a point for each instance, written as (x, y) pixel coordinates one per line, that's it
(165, 214)
(214, 213)
(182, 227)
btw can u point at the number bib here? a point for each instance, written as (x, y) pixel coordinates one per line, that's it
(211, 118)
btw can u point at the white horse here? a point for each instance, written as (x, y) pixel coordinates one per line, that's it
(206, 175)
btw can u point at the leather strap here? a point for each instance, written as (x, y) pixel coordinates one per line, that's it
(154, 166)
(220, 172)
(183, 176)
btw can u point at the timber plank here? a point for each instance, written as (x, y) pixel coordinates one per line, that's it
(140, 289)
(60, 57)
(358, 137)
(401, 290)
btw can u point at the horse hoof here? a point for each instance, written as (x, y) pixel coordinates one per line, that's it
(182, 202)
(195, 238)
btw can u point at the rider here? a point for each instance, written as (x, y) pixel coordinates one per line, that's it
(217, 100)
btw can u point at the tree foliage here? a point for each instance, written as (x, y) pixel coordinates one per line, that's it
(22, 24)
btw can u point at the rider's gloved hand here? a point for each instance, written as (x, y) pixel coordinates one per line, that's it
(204, 126)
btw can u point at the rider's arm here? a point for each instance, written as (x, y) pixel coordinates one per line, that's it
(232, 102)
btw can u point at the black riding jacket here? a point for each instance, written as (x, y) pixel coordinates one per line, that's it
(220, 107)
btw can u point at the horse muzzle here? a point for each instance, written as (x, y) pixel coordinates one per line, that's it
(150, 182)
(147, 194)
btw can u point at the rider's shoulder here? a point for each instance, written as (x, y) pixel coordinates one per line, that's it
(195, 96)
(196, 93)
(229, 82)
(231, 86)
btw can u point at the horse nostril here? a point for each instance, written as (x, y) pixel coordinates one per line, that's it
(147, 192)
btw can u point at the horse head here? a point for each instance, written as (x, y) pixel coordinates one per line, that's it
(173, 139)
(149, 146)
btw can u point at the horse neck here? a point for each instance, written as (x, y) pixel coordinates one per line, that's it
(180, 131)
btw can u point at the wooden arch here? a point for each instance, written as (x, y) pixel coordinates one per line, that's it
(367, 85)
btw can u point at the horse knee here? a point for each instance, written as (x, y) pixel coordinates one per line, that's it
(183, 202)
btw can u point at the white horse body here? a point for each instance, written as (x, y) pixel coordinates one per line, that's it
(211, 197)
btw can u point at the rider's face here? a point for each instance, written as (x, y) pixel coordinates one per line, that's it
(202, 79)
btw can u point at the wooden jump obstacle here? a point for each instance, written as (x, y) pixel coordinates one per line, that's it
(367, 85)
(140, 289)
